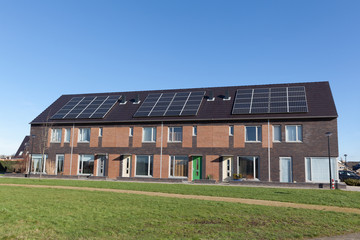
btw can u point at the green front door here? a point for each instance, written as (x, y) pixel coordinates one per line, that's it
(196, 168)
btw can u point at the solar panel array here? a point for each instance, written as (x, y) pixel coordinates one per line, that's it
(270, 100)
(171, 104)
(86, 107)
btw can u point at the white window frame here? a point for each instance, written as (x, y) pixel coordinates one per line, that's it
(153, 135)
(131, 131)
(172, 159)
(81, 135)
(254, 165)
(257, 140)
(171, 137)
(150, 157)
(334, 168)
(82, 165)
(67, 136)
(231, 130)
(39, 156)
(56, 134)
(291, 169)
(296, 132)
(275, 140)
(101, 131)
(56, 162)
(194, 131)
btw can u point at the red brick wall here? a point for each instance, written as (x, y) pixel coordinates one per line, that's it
(212, 166)
(239, 136)
(114, 166)
(122, 136)
(265, 134)
(187, 137)
(165, 166)
(213, 136)
(94, 137)
(109, 136)
(137, 137)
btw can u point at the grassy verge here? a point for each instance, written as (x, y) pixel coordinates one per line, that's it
(307, 196)
(28, 213)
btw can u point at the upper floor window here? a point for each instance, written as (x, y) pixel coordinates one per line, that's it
(277, 133)
(84, 135)
(231, 130)
(175, 134)
(253, 133)
(100, 132)
(131, 131)
(56, 135)
(67, 135)
(294, 133)
(149, 134)
(194, 131)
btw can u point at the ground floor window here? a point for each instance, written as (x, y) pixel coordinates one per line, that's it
(248, 166)
(179, 166)
(59, 163)
(144, 165)
(317, 169)
(86, 164)
(38, 163)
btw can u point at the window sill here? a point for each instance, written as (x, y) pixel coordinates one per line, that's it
(174, 141)
(143, 176)
(84, 142)
(149, 142)
(55, 142)
(294, 142)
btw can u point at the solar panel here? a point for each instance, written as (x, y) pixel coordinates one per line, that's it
(270, 100)
(86, 107)
(171, 104)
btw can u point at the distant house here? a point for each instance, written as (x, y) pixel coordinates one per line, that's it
(23, 150)
(270, 132)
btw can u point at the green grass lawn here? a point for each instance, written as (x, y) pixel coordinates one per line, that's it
(31, 213)
(307, 196)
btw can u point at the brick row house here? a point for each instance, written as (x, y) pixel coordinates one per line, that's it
(263, 132)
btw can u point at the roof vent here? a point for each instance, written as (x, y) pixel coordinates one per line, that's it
(226, 96)
(137, 99)
(210, 96)
(123, 100)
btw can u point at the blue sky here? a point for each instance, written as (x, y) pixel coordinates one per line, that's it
(50, 48)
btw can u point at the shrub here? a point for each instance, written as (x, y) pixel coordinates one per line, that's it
(10, 166)
(352, 182)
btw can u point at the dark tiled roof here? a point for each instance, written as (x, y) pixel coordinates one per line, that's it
(319, 99)
(22, 147)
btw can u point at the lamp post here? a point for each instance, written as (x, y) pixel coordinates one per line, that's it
(328, 134)
(31, 153)
(345, 155)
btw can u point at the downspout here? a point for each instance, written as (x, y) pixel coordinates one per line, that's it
(72, 146)
(161, 146)
(269, 150)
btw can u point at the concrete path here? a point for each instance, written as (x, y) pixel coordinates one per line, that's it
(208, 198)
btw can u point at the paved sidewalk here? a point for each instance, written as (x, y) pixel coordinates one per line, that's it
(353, 236)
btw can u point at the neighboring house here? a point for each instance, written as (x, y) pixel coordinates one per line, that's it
(23, 151)
(263, 132)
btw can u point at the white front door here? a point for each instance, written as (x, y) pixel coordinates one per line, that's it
(101, 165)
(126, 166)
(286, 169)
(227, 169)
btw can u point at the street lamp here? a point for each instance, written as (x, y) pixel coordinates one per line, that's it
(345, 155)
(31, 153)
(328, 134)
